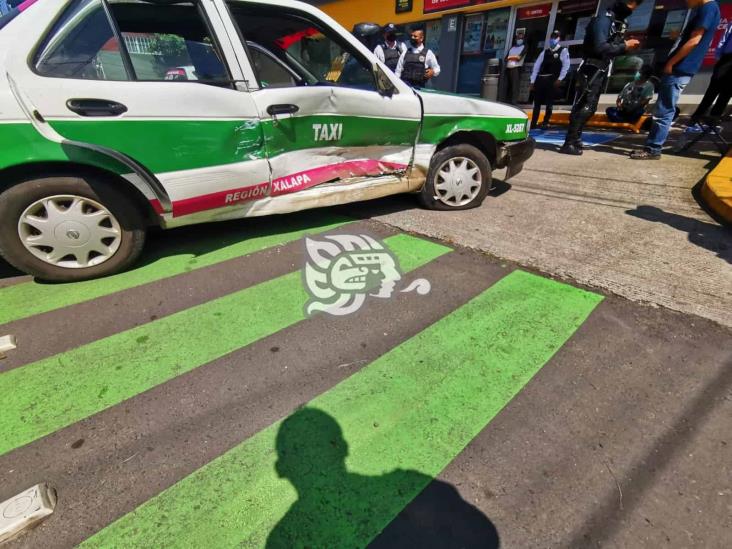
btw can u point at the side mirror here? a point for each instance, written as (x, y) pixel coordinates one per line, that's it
(383, 83)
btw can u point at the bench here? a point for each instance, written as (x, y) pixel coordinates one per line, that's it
(597, 121)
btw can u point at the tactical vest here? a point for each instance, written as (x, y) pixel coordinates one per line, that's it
(552, 63)
(616, 36)
(414, 68)
(391, 55)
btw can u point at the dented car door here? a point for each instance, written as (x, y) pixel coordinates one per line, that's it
(324, 121)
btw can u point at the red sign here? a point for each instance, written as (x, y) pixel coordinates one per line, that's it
(710, 58)
(439, 5)
(431, 6)
(535, 12)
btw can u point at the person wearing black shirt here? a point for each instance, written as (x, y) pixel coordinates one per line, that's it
(604, 41)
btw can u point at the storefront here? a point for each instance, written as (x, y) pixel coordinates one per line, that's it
(465, 34)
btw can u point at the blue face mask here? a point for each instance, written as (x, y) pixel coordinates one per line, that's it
(637, 76)
(519, 42)
(553, 42)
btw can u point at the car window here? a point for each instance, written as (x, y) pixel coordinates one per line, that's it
(159, 42)
(82, 44)
(270, 71)
(316, 53)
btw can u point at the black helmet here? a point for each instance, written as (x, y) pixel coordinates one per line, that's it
(366, 30)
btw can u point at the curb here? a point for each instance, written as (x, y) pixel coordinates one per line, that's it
(717, 189)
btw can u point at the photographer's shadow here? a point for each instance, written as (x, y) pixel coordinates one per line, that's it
(338, 508)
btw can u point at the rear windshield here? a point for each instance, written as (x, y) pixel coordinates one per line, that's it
(14, 8)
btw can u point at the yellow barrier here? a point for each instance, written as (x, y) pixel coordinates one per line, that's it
(717, 189)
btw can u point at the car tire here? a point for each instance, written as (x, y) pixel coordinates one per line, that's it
(100, 226)
(459, 178)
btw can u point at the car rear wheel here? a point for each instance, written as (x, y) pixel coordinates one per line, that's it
(459, 178)
(66, 229)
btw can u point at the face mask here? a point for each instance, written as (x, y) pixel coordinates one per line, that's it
(553, 42)
(391, 37)
(621, 10)
(519, 42)
(637, 76)
(414, 42)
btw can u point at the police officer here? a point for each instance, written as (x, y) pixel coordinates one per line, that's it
(604, 41)
(549, 72)
(418, 64)
(390, 50)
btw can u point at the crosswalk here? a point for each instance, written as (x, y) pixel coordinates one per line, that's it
(237, 421)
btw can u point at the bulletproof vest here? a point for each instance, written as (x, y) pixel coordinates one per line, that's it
(552, 63)
(414, 68)
(391, 55)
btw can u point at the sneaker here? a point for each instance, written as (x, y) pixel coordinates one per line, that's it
(645, 154)
(696, 127)
(570, 149)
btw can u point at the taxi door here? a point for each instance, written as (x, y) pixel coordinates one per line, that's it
(325, 116)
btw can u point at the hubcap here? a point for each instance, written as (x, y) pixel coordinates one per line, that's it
(458, 181)
(69, 231)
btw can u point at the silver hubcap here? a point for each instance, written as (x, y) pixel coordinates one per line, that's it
(69, 231)
(458, 181)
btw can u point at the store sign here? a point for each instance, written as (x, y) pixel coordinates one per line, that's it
(404, 6)
(535, 12)
(431, 6)
(711, 56)
(575, 6)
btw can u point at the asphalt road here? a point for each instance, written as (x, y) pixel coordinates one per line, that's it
(191, 403)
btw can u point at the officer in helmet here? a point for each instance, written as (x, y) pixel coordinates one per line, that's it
(604, 41)
(391, 49)
(418, 64)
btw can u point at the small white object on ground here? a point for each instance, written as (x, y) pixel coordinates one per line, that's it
(7, 343)
(25, 510)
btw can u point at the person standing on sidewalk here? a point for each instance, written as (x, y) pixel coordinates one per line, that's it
(683, 63)
(549, 72)
(720, 87)
(514, 65)
(604, 41)
(389, 51)
(417, 65)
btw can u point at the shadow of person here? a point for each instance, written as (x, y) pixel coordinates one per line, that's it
(338, 508)
(709, 236)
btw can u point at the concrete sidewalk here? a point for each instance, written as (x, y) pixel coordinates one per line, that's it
(631, 228)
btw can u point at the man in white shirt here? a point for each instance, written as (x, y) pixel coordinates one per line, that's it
(390, 50)
(549, 72)
(418, 64)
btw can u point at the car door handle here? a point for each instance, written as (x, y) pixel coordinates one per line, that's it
(274, 110)
(95, 107)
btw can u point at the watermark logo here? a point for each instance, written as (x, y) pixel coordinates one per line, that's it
(342, 270)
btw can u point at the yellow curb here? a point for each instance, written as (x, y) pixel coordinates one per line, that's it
(717, 189)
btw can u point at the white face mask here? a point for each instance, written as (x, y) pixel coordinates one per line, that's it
(520, 42)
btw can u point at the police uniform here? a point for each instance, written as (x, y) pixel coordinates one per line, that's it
(390, 54)
(414, 63)
(604, 41)
(551, 66)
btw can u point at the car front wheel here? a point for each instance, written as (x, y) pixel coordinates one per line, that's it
(65, 229)
(459, 178)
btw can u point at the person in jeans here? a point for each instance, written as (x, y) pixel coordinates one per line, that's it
(720, 86)
(683, 63)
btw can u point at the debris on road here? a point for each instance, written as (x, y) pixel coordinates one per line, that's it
(26, 510)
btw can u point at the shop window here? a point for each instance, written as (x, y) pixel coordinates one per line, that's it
(573, 16)
(316, 54)
(533, 22)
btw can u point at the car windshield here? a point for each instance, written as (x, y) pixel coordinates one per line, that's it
(16, 8)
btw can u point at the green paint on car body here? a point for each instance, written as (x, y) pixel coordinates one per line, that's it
(47, 395)
(404, 417)
(31, 298)
(437, 128)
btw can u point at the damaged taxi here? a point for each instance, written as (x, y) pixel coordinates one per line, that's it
(120, 115)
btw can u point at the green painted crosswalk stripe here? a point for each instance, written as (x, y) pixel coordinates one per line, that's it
(405, 417)
(45, 396)
(28, 299)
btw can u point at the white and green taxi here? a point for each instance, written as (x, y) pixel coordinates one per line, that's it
(119, 115)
